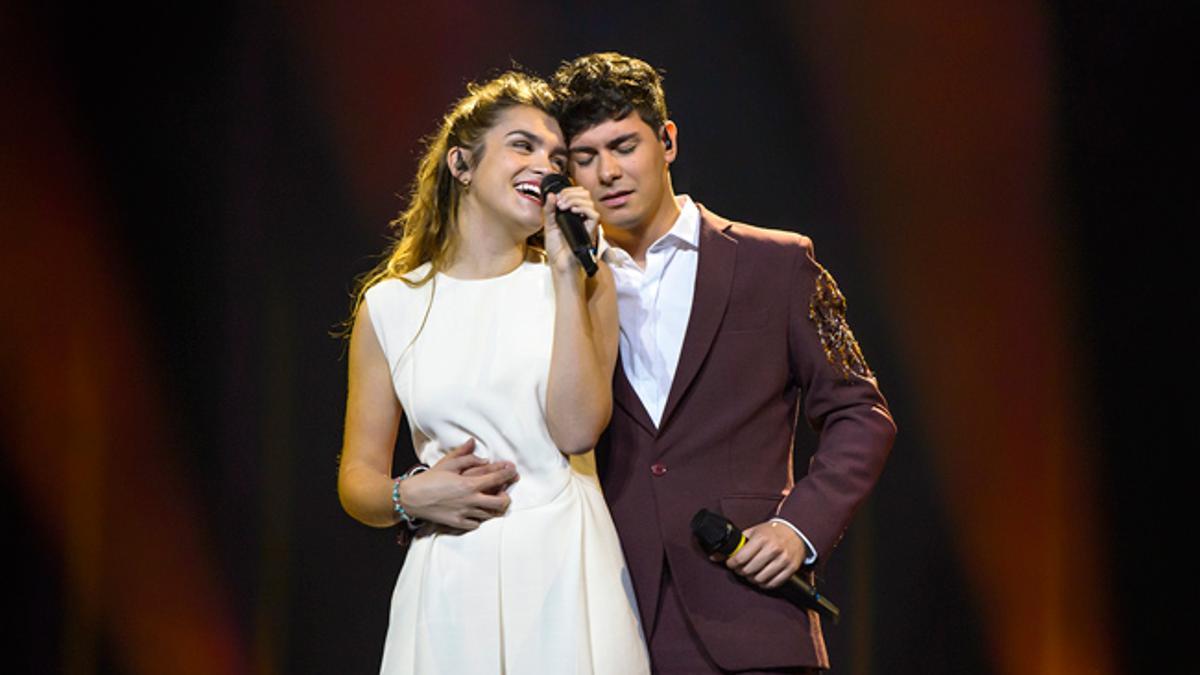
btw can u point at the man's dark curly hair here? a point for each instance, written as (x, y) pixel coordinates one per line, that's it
(607, 85)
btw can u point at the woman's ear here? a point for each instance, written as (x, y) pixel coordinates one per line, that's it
(458, 160)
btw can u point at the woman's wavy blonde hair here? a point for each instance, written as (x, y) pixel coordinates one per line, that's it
(427, 231)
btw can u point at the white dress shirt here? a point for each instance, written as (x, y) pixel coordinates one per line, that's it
(654, 304)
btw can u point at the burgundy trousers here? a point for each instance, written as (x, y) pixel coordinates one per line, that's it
(676, 650)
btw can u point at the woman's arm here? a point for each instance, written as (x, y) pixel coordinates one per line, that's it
(460, 491)
(372, 417)
(579, 393)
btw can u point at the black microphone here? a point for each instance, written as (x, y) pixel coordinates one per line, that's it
(571, 224)
(717, 534)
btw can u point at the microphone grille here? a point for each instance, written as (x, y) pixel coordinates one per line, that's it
(713, 532)
(554, 182)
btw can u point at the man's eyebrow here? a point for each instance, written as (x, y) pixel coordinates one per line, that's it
(616, 142)
(621, 140)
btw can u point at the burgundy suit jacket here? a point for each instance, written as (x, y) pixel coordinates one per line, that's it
(751, 358)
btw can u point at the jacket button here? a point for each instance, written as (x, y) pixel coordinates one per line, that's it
(658, 469)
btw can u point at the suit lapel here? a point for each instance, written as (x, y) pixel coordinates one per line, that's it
(626, 396)
(714, 281)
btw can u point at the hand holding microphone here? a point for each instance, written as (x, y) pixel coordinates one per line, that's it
(718, 536)
(571, 223)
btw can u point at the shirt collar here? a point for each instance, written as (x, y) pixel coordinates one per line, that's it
(684, 232)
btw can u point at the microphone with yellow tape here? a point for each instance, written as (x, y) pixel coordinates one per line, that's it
(718, 535)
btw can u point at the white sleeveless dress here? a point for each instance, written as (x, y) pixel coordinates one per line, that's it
(544, 588)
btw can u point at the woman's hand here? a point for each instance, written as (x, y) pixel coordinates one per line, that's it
(577, 200)
(460, 491)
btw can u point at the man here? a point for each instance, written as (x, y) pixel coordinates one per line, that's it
(726, 331)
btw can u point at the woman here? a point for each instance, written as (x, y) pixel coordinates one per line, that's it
(491, 343)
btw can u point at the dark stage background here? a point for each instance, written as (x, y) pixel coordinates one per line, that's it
(188, 191)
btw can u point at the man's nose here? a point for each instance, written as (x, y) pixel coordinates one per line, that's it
(610, 170)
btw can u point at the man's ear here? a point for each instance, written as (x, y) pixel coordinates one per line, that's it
(458, 160)
(670, 141)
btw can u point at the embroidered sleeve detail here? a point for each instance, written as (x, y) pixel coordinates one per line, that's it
(827, 311)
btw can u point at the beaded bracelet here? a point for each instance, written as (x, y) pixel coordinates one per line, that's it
(397, 507)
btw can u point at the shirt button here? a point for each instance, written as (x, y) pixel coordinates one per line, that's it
(658, 469)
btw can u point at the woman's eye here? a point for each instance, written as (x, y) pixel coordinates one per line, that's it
(523, 145)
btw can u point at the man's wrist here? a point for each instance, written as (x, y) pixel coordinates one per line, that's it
(811, 556)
